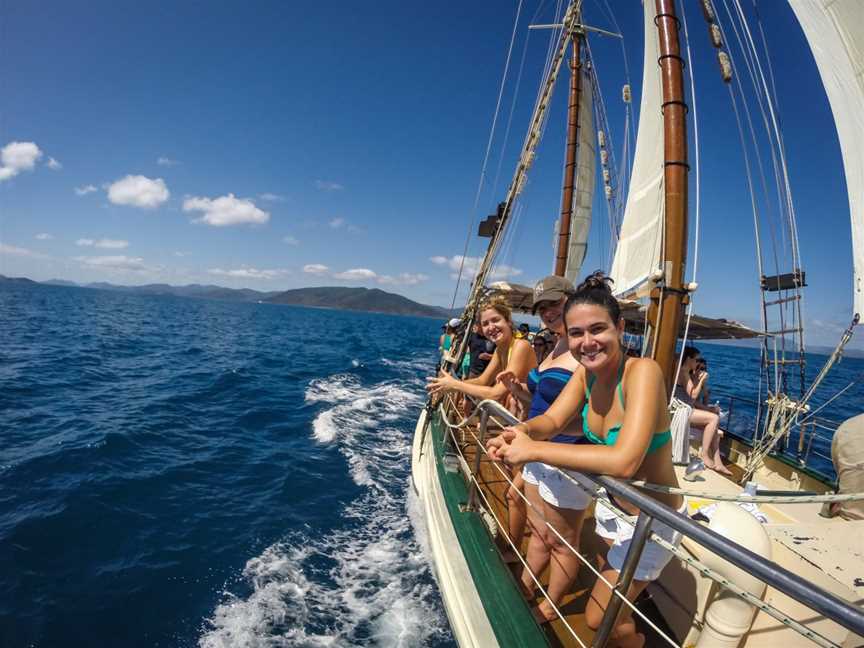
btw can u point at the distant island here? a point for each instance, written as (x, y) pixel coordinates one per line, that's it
(371, 300)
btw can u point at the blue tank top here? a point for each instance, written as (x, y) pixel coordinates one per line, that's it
(545, 386)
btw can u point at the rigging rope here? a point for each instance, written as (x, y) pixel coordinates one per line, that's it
(486, 156)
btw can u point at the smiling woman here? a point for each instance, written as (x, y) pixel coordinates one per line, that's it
(511, 354)
(622, 402)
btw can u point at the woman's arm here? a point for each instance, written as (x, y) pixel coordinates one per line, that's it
(477, 387)
(695, 388)
(645, 413)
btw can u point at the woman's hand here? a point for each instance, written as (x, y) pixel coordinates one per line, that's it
(508, 379)
(513, 446)
(440, 383)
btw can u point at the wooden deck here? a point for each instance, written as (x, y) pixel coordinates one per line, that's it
(573, 606)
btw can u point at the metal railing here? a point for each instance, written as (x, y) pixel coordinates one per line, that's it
(790, 584)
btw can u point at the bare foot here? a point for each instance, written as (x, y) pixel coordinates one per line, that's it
(543, 613)
(723, 470)
(630, 641)
(708, 463)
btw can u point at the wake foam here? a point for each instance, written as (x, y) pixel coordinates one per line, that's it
(367, 582)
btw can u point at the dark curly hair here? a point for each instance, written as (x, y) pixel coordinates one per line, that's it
(596, 291)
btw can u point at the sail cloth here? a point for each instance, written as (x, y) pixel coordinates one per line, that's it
(637, 255)
(586, 160)
(835, 32)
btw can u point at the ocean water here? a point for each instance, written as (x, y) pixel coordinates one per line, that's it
(178, 472)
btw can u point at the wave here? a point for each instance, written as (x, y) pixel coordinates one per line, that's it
(366, 582)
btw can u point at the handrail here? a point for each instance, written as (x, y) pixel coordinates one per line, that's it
(797, 588)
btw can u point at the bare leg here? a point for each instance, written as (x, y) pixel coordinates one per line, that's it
(565, 564)
(537, 555)
(515, 517)
(709, 422)
(715, 454)
(624, 634)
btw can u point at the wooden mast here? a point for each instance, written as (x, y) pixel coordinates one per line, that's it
(569, 190)
(670, 294)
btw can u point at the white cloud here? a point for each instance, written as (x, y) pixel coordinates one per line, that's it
(248, 273)
(181, 254)
(290, 240)
(315, 269)
(138, 191)
(271, 197)
(53, 164)
(226, 210)
(165, 161)
(471, 266)
(327, 185)
(336, 223)
(365, 274)
(86, 189)
(44, 236)
(11, 250)
(110, 244)
(16, 157)
(403, 279)
(119, 262)
(356, 274)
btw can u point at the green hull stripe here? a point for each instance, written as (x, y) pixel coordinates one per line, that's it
(507, 611)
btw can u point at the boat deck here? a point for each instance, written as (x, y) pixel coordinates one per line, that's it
(573, 606)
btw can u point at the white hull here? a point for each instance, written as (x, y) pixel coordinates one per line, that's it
(468, 620)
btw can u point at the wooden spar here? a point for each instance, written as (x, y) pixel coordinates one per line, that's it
(670, 295)
(569, 190)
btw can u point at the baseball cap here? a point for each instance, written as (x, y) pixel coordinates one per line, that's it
(454, 322)
(551, 288)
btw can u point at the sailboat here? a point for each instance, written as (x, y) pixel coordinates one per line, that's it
(789, 577)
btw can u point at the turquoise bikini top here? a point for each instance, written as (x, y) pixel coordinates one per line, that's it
(657, 441)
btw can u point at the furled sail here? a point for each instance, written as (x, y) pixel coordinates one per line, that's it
(835, 32)
(637, 255)
(586, 160)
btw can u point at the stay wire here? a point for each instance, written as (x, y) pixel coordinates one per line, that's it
(486, 156)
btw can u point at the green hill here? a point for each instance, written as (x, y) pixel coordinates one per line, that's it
(358, 299)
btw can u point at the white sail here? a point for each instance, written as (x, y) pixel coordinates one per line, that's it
(586, 160)
(835, 32)
(637, 255)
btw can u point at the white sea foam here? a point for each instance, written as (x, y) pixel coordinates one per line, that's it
(366, 582)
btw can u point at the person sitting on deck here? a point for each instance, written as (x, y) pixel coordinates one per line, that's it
(510, 354)
(689, 388)
(623, 404)
(481, 350)
(544, 342)
(449, 336)
(554, 499)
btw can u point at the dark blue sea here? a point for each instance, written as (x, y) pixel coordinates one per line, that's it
(179, 472)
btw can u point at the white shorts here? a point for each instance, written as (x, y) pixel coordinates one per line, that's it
(555, 488)
(654, 557)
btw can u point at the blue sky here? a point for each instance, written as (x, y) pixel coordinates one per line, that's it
(288, 145)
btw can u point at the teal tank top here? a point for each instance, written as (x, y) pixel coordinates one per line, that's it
(657, 441)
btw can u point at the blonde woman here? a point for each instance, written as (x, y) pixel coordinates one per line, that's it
(512, 355)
